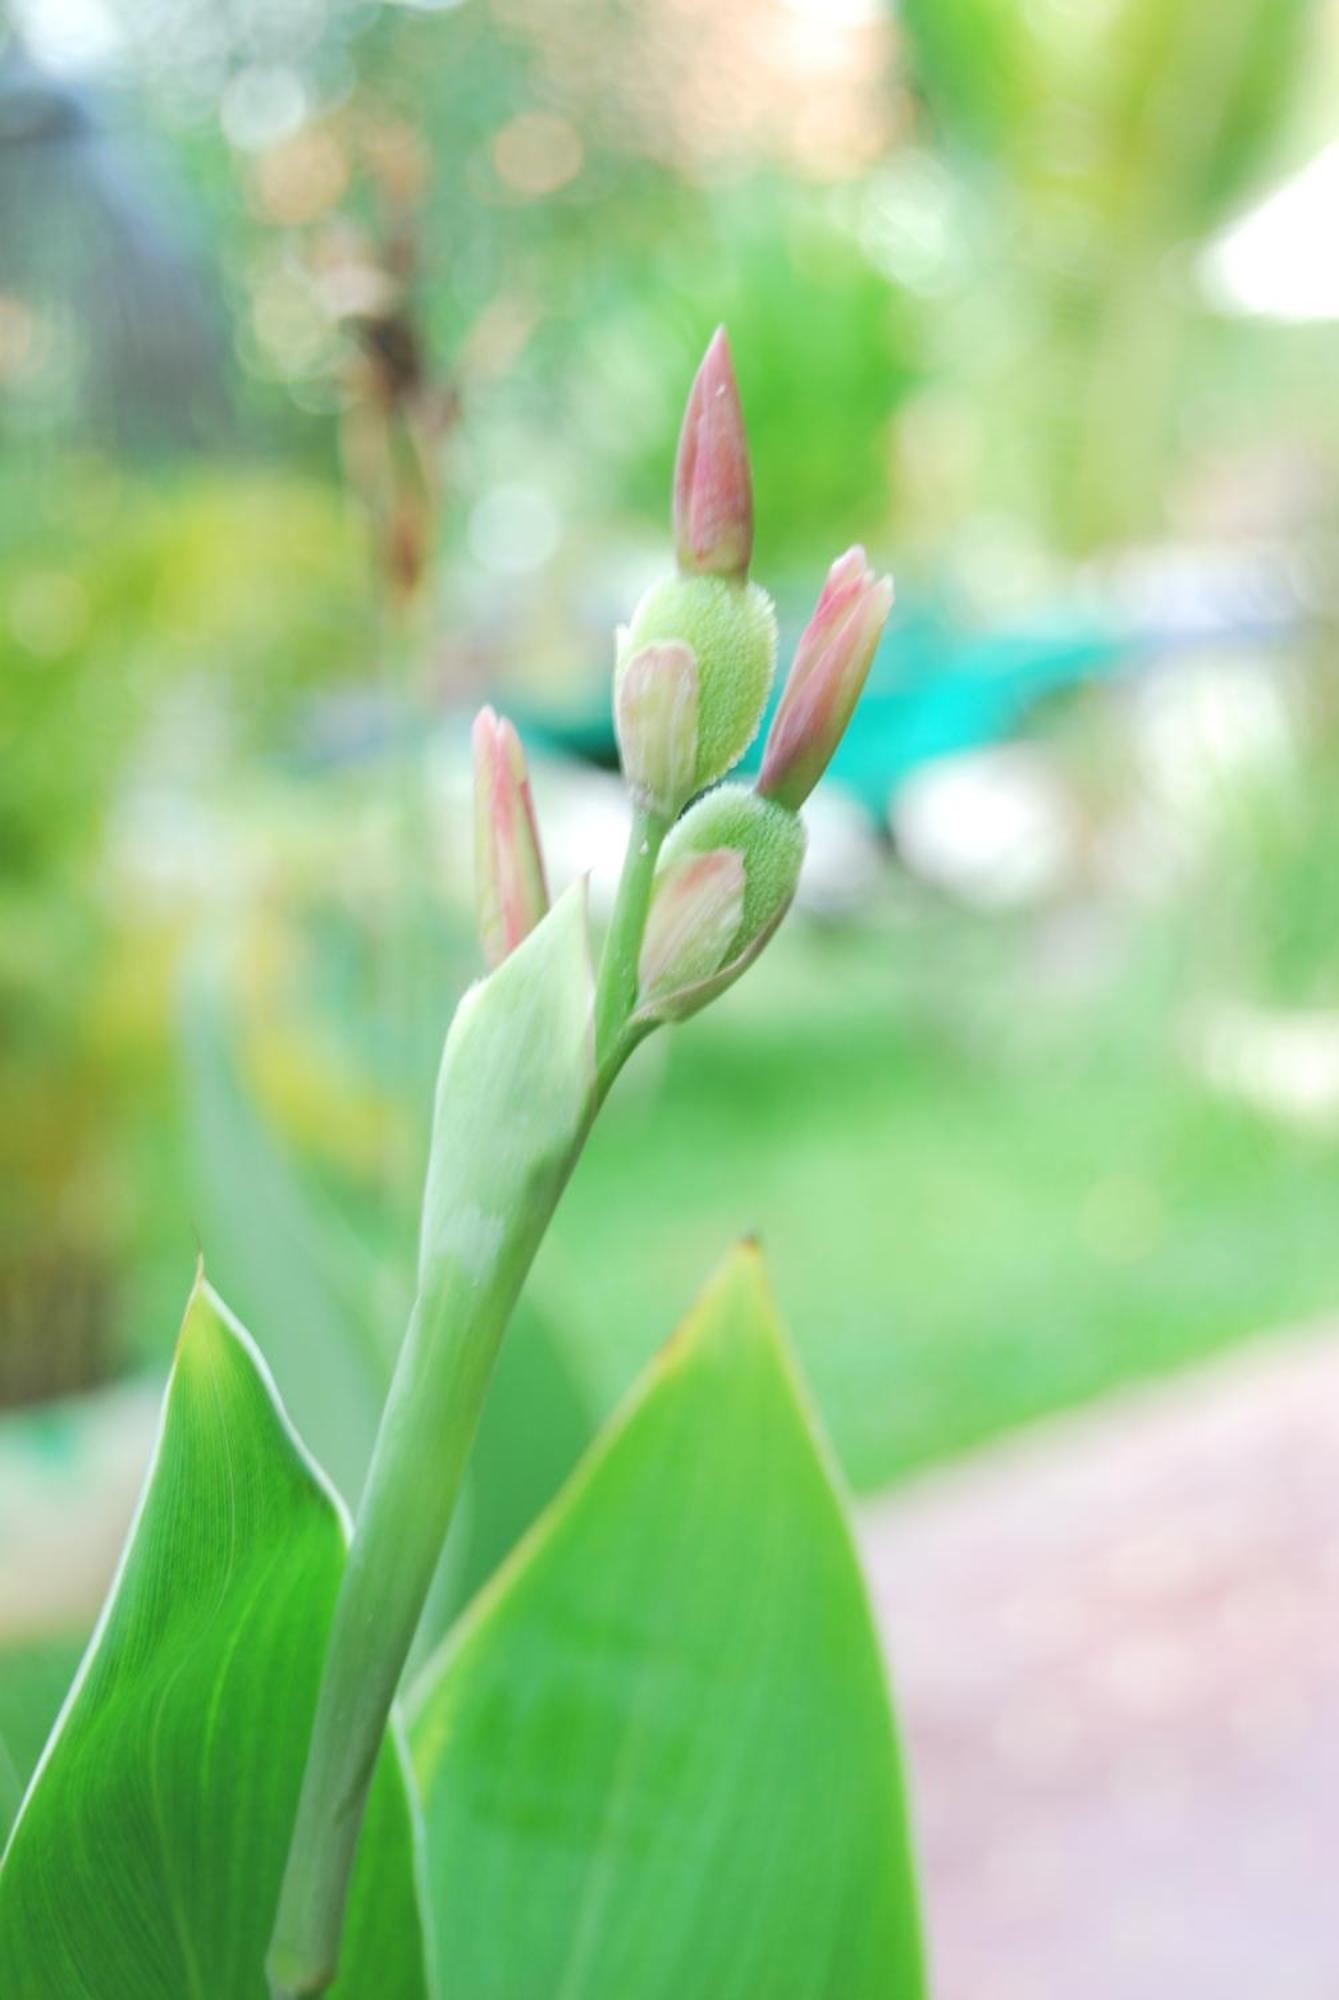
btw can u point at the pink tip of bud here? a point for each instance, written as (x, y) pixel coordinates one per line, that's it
(695, 912)
(510, 891)
(713, 490)
(831, 664)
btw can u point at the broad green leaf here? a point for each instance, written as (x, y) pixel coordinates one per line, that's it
(656, 1759)
(147, 1856)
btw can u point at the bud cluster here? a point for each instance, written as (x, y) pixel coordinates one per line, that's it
(703, 888)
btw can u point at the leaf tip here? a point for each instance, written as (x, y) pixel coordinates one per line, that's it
(202, 1334)
(745, 1265)
(735, 1304)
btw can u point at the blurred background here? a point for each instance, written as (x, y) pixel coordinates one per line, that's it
(342, 351)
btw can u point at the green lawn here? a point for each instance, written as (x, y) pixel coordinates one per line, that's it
(976, 1209)
(981, 1198)
(984, 1192)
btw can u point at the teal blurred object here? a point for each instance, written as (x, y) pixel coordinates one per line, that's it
(935, 688)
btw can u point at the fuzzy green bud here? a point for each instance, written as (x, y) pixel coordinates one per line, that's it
(769, 839)
(730, 628)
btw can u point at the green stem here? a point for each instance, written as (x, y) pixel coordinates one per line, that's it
(617, 989)
(506, 1136)
(426, 1431)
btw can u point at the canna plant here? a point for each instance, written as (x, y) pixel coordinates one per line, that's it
(655, 1756)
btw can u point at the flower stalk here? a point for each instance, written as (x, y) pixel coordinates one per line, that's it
(534, 1048)
(617, 991)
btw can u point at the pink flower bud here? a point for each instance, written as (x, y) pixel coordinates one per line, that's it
(655, 713)
(832, 661)
(509, 888)
(713, 491)
(697, 907)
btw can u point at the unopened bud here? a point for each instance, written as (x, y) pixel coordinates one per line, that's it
(695, 912)
(510, 892)
(655, 713)
(730, 630)
(832, 661)
(713, 489)
(769, 843)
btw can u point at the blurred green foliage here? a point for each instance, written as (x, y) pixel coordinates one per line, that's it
(983, 345)
(979, 1204)
(195, 610)
(1098, 150)
(806, 309)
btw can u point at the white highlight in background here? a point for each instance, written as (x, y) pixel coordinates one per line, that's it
(1281, 259)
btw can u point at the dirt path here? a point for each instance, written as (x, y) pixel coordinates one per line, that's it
(1116, 1644)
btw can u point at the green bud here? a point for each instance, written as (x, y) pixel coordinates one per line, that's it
(731, 628)
(769, 840)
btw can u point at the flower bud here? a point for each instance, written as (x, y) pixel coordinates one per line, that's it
(655, 713)
(769, 842)
(713, 489)
(509, 888)
(695, 912)
(831, 663)
(730, 629)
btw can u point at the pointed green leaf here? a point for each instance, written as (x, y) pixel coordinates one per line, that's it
(147, 1855)
(657, 1759)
